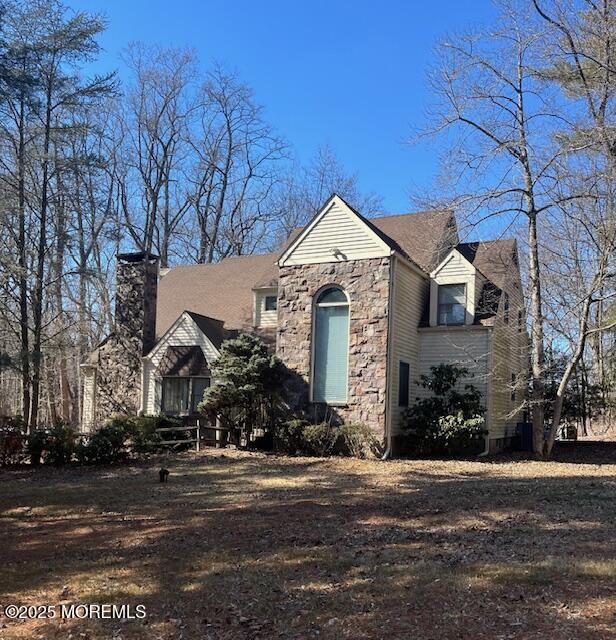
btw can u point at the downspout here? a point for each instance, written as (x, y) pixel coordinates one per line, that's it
(388, 435)
(489, 398)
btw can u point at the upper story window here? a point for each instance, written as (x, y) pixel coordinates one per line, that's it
(520, 322)
(271, 303)
(330, 347)
(451, 304)
(506, 308)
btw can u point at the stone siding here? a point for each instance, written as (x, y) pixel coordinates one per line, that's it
(118, 376)
(367, 285)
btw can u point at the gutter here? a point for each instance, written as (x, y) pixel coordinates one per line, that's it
(388, 447)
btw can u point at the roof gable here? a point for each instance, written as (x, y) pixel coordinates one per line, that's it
(337, 233)
(208, 332)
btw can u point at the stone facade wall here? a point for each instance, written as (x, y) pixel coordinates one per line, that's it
(367, 285)
(118, 376)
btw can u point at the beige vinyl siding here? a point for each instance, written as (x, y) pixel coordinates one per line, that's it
(464, 346)
(265, 318)
(509, 356)
(410, 296)
(455, 269)
(338, 229)
(88, 410)
(184, 333)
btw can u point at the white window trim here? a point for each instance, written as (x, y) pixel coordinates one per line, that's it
(465, 303)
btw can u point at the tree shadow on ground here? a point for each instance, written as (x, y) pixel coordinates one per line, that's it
(254, 546)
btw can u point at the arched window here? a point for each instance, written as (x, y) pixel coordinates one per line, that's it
(331, 346)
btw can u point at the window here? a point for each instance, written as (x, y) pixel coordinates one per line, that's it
(513, 387)
(520, 322)
(330, 347)
(271, 303)
(451, 303)
(182, 394)
(403, 384)
(506, 308)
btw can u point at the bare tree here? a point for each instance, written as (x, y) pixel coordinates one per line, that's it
(153, 119)
(304, 190)
(237, 165)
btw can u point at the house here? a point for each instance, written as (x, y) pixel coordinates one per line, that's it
(356, 308)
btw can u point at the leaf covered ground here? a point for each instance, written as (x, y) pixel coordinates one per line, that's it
(240, 545)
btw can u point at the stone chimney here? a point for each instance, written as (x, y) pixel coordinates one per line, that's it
(135, 312)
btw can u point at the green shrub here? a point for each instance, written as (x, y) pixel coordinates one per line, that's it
(12, 440)
(450, 421)
(358, 441)
(246, 395)
(105, 446)
(457, 434)
(320, 439)
(59, 445)
(288, 437)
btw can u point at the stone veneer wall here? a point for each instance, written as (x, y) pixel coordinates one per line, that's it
(118, 376)
(367, 285)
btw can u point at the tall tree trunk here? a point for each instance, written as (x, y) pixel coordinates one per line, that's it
(23, 269)
(37, 307)
(537, 355)
(65, 388)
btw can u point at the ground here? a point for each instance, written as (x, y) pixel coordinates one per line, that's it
(241, 545)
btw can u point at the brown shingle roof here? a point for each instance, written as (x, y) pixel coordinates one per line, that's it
(222, 291)
(422, 236)
(225, 290)
(212, 328)
(492, 258)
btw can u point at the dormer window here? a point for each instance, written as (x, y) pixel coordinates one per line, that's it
(451, 304)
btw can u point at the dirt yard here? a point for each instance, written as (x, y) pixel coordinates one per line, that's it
(240, 546)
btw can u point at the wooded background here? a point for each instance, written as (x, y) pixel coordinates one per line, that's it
(179, 160)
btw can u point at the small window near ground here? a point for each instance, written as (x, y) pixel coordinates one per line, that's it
(513, 386)
(451, 304)
(506, 308)
(403, 385)
(271, 303)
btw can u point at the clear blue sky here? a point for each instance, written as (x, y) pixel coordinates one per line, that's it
(350, 74)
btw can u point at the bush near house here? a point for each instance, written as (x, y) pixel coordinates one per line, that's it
(450, 421)
(247, 392)
(300, 436)
(121, 438)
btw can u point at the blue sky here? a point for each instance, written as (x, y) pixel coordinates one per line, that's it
(347, 74)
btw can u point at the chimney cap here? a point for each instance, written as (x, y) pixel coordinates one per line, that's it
(137, 256)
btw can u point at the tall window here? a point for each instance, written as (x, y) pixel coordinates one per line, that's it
(451, 303)
(506, 308)
(403, 384)
(182, 394)
(331, 347)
